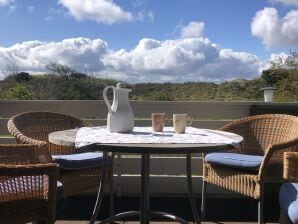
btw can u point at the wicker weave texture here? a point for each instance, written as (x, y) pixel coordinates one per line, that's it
(291, 166)
(233, 180)
(27, 189)
(34, 127)
(268, 135)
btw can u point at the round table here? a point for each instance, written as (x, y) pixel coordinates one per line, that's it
(67, 138)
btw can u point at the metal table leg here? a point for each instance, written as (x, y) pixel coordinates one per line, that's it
(145, 201)
(144, 212)
(123, 215)
(192, 201)
(100, 190)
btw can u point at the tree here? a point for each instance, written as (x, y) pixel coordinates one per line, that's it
(13, 74)
(78, 75)
(10, 70)
(23, 77)
(280, 69)
(273, 76)
(290, 62)
(64, 71)
(59, 69)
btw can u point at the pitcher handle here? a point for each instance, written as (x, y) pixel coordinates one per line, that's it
(105, 97)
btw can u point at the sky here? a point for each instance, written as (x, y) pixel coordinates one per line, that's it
(148, 40)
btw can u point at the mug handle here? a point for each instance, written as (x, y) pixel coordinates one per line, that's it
(189, 120)
(167, 120)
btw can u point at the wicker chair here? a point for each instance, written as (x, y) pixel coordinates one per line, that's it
(27, 188)
(288, 195)
(264, 135)
(34, 128)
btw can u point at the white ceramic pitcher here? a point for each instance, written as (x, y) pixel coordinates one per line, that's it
(120, 115)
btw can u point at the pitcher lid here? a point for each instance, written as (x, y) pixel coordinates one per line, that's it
(121, 85)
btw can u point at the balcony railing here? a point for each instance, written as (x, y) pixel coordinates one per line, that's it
(165, 171)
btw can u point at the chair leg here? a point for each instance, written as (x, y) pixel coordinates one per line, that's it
(260, 211)
(203, 203)
(111, 193)
(61, 204)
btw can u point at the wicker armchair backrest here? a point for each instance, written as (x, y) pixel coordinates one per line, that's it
(38, 125)
(263, 130)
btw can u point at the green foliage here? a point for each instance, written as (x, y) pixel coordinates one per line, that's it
(240, 90)
(290, 62)
(54, 87)
(174, 92)
(273, 76)
(23, 77)
(64, 83)
(283, 74)
(288, 87)
(59, 69)
(281, 69)
(19, 92)
(64, 71)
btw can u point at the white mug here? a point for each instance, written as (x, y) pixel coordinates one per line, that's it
(180, 122)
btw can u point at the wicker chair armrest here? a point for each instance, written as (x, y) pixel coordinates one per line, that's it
(274, 153)
(17, 154)
(20, 137)
(21, 154)
(26, 140)
(28, 181)
(290, 172)
(29, 169)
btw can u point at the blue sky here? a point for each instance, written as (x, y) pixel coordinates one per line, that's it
(148, 40)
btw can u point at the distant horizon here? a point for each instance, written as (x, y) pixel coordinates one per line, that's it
(141, 41)
(134, 83)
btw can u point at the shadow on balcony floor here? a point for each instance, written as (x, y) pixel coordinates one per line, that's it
(221, 209)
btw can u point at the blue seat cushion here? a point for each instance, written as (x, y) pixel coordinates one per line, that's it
(235, 160)
(79, 160)
(288, 201)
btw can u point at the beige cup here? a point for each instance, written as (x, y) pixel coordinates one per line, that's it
(158, 121)
(180, 122)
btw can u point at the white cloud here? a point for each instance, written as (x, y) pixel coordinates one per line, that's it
(186, 59)
(275, 57)
(82, 54)
(6, 2)
(101, 11)
(193, 29)
(286, 2)
(173, 60)
(273, 30)
(281, 57)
